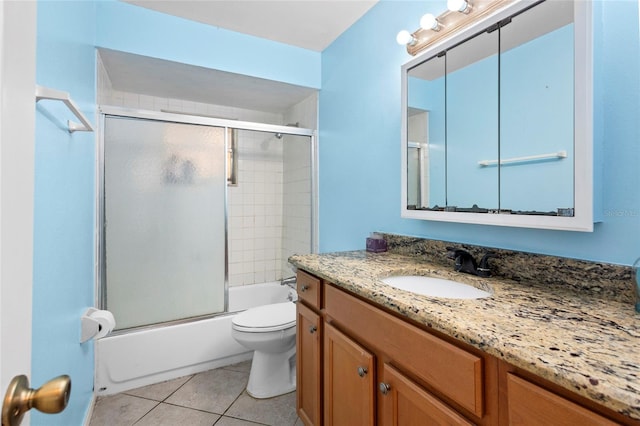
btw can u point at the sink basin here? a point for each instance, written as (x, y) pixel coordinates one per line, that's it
(435, 287)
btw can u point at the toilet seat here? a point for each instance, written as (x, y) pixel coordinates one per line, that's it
(267, 318)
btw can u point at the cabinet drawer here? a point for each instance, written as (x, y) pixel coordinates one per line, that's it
(452, 371)
(309, 289)
(532, 405)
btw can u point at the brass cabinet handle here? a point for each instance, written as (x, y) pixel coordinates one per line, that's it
(313, 329)
(51, 398)
(362, 371)
(384, 388)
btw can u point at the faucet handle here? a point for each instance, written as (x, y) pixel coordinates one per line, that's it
(483, 269)
(464, 261)
(453, 252)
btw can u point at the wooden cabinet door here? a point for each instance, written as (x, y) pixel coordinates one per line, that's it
(349, 381)
(308, 366)
(531, 405)
(404, 403)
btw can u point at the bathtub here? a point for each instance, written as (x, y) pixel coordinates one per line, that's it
(154, 355)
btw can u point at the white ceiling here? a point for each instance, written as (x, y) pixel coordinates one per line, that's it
(310, 24)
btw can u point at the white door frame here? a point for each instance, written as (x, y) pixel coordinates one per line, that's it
(17, 140)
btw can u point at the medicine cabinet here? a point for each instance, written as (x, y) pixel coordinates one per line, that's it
(497, 121)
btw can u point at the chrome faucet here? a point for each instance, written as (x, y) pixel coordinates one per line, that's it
(464, 262)
(291, 282)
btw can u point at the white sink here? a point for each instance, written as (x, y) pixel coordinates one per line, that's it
(435, 287)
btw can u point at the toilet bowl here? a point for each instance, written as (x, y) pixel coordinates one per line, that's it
(270, 331)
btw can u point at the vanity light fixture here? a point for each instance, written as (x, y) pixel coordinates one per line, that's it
(461, 6)
(404, 37)
(459, 14)
(429, 22)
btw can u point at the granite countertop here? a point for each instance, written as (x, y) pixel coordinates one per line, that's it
(582, 341)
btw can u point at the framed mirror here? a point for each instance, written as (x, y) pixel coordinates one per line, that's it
(497, 121)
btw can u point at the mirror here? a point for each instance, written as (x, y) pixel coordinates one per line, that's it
(472, 122)
(494, 122)
(536, 73)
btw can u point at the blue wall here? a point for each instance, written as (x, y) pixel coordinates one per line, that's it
(63, 279)
(68, 32)
(360, 146)
(145, 32)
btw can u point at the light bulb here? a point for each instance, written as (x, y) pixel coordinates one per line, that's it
(429, 22)
(404, 37)
(458, 6)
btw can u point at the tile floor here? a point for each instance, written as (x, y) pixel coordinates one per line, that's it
(216, 397)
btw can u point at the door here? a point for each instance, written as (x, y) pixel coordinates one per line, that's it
(17, 128)
(308, 360)
(164, 244)
(405, 403)
(349, 372)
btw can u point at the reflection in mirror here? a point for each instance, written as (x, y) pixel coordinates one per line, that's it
(426, 166)
(472, 123)
(536, 109)
(418, 158)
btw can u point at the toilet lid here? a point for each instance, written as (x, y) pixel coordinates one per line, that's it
(277, 316)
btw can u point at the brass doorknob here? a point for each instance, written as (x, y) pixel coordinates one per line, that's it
(51, 398)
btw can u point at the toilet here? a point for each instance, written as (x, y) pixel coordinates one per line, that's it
(270, 331)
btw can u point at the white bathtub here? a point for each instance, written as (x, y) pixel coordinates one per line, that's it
(150, 356)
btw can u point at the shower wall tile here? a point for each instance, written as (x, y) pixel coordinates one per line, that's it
(255, 210)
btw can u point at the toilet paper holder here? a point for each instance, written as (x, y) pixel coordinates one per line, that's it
(89, 326)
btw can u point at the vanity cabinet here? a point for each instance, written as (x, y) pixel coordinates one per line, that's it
(418, 375)
(361, 364)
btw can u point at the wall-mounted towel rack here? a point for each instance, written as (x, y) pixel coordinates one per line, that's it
(559, 154)
(58, 95)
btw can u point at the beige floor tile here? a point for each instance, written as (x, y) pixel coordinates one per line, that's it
(159, 391)
(278, 411)
(171, 415)
(212, 391)
(120, 410)
(230, 421)
(298, 422)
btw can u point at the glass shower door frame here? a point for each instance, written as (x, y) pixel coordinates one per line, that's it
(118, 112)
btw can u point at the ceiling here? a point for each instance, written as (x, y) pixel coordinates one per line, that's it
(310, 24)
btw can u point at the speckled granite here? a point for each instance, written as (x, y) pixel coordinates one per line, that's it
(610, 281)
(576, 338)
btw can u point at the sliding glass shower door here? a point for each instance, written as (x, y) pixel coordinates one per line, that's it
(164, 219)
